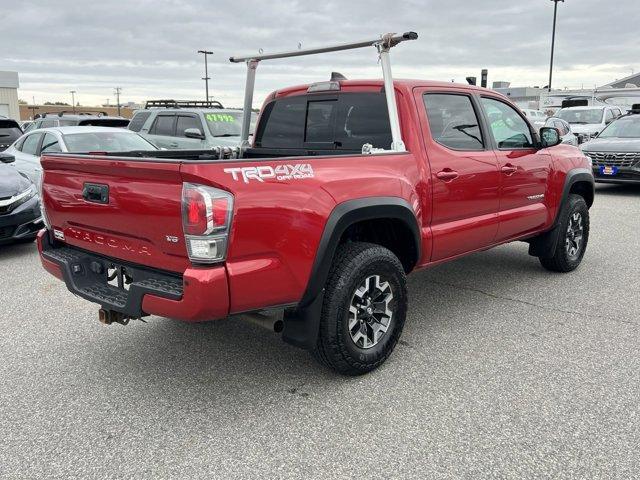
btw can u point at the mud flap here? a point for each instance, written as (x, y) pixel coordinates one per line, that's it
(301, 325)
(544, 245)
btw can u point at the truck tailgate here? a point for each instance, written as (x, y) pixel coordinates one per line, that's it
(140, 221)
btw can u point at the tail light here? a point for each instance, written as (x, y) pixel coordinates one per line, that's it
(206, 221)
(41, 194)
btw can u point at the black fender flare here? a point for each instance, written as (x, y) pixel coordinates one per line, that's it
(301, 325)
(543, 245)
(574, 176)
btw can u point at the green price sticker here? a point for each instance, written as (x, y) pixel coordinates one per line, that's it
(220, 117)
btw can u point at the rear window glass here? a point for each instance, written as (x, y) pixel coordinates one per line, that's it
(342, 122)
(9, 132)
(68, 123)
(115, 141)
(105, 122)
(138, 120)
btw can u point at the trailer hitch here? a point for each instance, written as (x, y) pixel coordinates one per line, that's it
(108, 317)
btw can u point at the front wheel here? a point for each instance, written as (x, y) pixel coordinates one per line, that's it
(572, 238)
(364, 309)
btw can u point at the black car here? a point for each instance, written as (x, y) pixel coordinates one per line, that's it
(615, 153)
(70, 119)
(10, 131)
(20, 217)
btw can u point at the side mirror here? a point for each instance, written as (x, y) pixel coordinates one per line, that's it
(7, 158)
(549, 137)
(193, 133)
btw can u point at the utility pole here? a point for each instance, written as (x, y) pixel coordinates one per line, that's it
(553, 40)
(33, 107)
(117, 91)
(73, 100)
(206, 78)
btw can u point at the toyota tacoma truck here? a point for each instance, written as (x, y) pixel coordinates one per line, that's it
(347, 187)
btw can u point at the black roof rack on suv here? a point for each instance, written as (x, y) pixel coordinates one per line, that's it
(182, 104)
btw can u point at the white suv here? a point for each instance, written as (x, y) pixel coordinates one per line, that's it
(536, 117)
(588, 122)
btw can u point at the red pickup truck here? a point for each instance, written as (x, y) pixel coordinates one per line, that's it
(310, 223)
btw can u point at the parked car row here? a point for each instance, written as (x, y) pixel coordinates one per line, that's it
(20, 217)
(67, 119)
(615, 152)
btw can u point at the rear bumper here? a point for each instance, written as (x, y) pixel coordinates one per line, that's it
(197, 295)
(22, 223)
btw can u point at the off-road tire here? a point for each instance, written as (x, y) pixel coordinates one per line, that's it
(562, 261)
(353, 264)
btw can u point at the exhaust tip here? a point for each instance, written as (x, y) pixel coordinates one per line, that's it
(278, 326)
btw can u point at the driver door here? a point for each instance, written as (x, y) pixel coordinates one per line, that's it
(524, 171)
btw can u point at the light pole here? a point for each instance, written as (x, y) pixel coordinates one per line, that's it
(73, 100)
(553, 40)
(117, 91)
(206, 78)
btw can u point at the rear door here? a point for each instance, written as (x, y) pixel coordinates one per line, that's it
(464, 173)
(524, 170)
(162, 131)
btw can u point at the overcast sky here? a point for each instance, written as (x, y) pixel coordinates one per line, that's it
(148, 47)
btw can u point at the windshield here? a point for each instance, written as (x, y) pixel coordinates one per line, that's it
(116, 141)
(626, 127)
(227, 124)
(591, 115)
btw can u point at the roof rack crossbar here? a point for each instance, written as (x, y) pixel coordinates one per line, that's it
(170, 103)
(382, 43)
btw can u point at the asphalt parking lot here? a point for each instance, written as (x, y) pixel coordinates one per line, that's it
(504, 370)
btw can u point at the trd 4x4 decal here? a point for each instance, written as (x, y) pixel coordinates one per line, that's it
(266, 172)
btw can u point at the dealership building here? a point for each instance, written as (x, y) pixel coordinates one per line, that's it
(9, 95)
(622, 93)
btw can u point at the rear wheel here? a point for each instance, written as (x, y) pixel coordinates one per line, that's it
(364, 309)
(572, 238)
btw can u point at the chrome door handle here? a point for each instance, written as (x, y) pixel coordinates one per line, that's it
(509, 169)
(447, 175)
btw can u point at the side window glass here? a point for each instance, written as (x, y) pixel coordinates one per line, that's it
(30, 145)
(50, 144)
(453, 121)
(509, 129)
(163, 125)
(48, 123)
(608, 116)
(185, 122)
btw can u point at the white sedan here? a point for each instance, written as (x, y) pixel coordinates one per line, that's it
(30, 146)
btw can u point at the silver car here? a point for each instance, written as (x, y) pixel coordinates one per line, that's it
(566, 134)
(183, 125)
(30, 146)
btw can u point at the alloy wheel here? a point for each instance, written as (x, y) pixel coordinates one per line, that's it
(370, 313)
